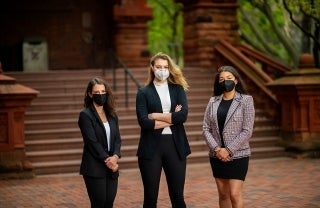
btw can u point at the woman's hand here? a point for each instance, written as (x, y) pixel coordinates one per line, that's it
(178, 108)
(223, 155)
(112, 163)
(161, 116)
(151, 116)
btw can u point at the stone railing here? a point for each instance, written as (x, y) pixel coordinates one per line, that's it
(14, 99)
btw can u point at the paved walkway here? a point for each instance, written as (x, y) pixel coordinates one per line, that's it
(271, 183)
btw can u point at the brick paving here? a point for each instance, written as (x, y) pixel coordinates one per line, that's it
(272, 183)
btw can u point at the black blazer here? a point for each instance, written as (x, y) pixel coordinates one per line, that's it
(148, 101)
(95, 149)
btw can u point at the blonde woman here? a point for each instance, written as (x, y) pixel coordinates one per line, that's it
(162, 109)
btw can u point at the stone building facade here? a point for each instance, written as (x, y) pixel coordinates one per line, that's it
(79, 34)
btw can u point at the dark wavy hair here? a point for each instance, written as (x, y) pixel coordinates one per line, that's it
(109, 106)
(239, 86)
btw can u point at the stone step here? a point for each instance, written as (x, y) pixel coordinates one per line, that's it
(194, 105)
(55, 155)
(194, 122)
(56, 167)
(71, 121)
(125, 113)
(66, 79)
(54, 99)
(52, 144)
(36, 147)
(133, 129)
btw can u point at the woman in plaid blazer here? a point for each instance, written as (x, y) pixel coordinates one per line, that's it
(227, 127)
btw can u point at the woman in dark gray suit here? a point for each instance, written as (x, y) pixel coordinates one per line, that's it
(162, 109)
(99, 127)
(227, 128)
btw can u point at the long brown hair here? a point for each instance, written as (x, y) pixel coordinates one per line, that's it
(176, 75)
(109, 105)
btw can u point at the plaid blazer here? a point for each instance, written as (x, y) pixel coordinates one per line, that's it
(238, 126)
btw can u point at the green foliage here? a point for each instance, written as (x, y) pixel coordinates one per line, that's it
(264, 24)
(309, 7)
(165, 29)
(309, 10)
(265, 37)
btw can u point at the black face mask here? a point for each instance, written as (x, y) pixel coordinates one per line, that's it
(227, 85)
(99, 99)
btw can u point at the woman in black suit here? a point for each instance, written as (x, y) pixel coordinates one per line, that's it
(99, 127)
(162, 108)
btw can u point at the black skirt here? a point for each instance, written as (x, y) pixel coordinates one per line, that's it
(235, 169)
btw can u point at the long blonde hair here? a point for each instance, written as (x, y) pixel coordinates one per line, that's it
(176, 75)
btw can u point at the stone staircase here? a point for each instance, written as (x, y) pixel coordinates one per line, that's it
(53, 139)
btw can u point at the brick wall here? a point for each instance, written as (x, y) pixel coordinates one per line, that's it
(78, 33)
(205, 22)
(131, 39)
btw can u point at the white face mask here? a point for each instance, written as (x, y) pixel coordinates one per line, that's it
(162, 74)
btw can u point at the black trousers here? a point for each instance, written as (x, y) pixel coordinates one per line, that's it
(166, 157)
(101, 191)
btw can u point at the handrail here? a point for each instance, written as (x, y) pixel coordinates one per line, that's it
(265, 60)
(113, 56)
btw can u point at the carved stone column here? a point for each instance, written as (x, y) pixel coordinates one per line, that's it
(14, 98)
(206, 22)
(131, 38)
(299, 95)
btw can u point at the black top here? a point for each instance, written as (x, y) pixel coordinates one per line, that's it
(222, 115)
